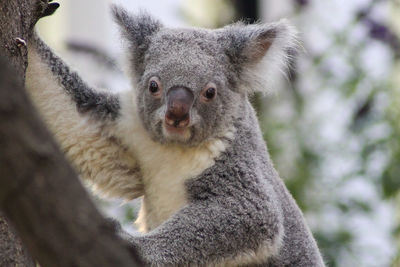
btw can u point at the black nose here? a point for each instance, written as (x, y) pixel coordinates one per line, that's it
(179, 103)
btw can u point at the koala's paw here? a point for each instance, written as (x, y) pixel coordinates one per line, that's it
(45, 8)
(48, 8)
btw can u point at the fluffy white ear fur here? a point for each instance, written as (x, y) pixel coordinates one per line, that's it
(267, 54)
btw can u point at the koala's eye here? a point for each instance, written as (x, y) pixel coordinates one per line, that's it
(155, 87)
(209, 92)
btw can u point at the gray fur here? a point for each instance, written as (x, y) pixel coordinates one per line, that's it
(190, 59)
(99, 104)
(239, 203)
(137, 30)
(82, 119)
(238, 206)
(235, 206)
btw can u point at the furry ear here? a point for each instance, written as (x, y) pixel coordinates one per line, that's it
(137, 29)
(260, 53)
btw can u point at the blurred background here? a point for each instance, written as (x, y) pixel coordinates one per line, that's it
(332, 127)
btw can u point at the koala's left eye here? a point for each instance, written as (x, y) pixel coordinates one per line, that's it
(153, 87)
(209, 92)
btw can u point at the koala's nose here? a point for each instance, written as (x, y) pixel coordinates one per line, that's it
(179, 103)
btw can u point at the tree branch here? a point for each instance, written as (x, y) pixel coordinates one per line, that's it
(39, 191)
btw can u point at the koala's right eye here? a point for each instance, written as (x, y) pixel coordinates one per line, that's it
(155, 87)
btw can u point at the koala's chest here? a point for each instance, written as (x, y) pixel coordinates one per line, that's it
(165, 170)
(165, 194)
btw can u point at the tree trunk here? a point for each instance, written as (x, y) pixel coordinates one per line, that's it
(12, 252)
(40, 193)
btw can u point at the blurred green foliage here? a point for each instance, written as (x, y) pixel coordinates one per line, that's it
(369, 143)
(373, 102)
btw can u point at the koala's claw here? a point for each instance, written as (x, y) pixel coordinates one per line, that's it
(50, 9)
(45, 8)
(20, 42)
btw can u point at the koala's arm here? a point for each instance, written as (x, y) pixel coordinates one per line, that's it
(83, 122)
(207, 233)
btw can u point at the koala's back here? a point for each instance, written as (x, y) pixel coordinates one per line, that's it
(245, 180)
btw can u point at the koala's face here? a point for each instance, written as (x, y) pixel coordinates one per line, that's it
(191, 83)
(184, 94)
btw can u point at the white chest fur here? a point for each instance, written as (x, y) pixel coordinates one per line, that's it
(165, 168)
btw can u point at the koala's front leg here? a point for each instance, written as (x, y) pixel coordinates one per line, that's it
(83, 121)
(213, 234)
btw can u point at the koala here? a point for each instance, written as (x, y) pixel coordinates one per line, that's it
(185, 139)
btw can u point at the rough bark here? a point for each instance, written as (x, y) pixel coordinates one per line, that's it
(39, 192)
(18, 14)
(16, 20)
(12, 251)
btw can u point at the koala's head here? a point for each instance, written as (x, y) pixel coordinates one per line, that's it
(191, 84)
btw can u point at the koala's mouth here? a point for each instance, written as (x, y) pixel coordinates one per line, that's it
(173, 133)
